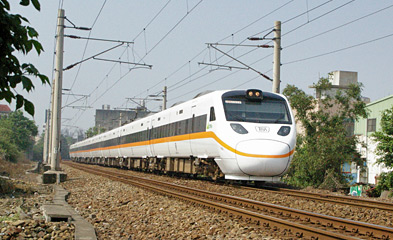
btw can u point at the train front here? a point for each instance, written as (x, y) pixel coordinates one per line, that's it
(258, 136)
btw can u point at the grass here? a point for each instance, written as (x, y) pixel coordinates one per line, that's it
(13, 170)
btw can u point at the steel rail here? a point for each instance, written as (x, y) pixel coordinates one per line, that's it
(339, 224)
(323, 197)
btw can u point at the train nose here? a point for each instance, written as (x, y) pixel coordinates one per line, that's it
(263, 157)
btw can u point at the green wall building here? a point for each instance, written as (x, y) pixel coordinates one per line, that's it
(364, 129)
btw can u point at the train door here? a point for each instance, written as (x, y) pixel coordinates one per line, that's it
(151, 137)
(192, 127)
(118, 135)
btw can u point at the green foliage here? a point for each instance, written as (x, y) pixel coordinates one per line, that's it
(6, 187)
(8, 151)
(385, 139)
(94, 131)
(22, 130)
(16, 37)
(384, 150)
(16, 135)
(325, 145)
(38, 149)
(385, 182)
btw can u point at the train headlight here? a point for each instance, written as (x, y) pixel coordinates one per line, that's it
(254, 95)
(238, 128)
(284, 131)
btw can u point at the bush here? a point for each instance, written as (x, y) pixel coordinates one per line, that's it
(6, 186)
(8, 150)
(373, 192)
(385, 182)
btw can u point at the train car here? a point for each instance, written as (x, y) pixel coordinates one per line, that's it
(239, 134)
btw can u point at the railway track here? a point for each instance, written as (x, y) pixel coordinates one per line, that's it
(300, 223)
(344, 200)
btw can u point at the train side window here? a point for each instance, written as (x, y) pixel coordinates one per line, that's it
(212, 114)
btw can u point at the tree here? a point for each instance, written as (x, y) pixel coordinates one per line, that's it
(8, 150)
(94, 131)
(16, 37)
(38, 149)
(325, 144)
(384, 150)
(23, 130)
(16, 135)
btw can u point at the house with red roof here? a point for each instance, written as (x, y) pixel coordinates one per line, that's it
(5, 110)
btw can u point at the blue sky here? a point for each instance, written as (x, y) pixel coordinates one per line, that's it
(172, 35)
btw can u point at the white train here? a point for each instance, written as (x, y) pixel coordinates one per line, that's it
(239, 134)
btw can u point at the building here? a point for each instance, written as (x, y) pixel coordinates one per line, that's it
(108, 119)
(341, 80)
(364, 129)
(4, 110)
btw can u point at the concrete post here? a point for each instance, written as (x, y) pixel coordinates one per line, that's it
(56, 113)
(50, 132)
(164, 98)
(277, 57)
(46, 137)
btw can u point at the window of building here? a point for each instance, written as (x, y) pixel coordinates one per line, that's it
(371, 125)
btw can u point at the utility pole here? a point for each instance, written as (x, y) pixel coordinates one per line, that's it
(164, 98)
(46, 137)
(50, 129)
(277, 57)
(57, 91)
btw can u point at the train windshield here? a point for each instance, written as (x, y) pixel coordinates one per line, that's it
(269, 110)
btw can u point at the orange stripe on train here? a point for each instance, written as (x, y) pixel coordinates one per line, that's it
(192, 136)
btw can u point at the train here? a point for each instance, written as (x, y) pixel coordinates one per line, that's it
(245, 135)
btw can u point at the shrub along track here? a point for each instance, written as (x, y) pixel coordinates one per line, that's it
(298, 222)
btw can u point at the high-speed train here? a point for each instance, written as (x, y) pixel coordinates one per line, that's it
(240, 134)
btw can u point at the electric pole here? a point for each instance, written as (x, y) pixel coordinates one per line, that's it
(277, 57)
(46, 137)
(57, 91)
(164, 98)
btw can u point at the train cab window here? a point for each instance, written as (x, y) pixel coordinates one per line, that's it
(270, 109)
(212, 114)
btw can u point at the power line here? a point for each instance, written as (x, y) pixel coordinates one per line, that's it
(239, 30)
(320, 16)
(340, 26)
(151, 21)
(177, 24)
(338, 50)
(266, 30)
(259, 19)
(87, 43)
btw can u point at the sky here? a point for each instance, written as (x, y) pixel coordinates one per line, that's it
(171, 36)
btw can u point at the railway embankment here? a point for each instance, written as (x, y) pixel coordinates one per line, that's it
(21, 213)
(32, 210)
(120, 210)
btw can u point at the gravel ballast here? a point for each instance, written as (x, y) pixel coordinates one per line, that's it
(120, 211)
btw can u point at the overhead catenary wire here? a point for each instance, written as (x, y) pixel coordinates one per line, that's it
(171, 30)
(298, 42)
(239, 30)
(340, 26)
(266, 30)
(188, 77)
(338, 50)
(320, 16)
(148, 52)
(87, 43)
